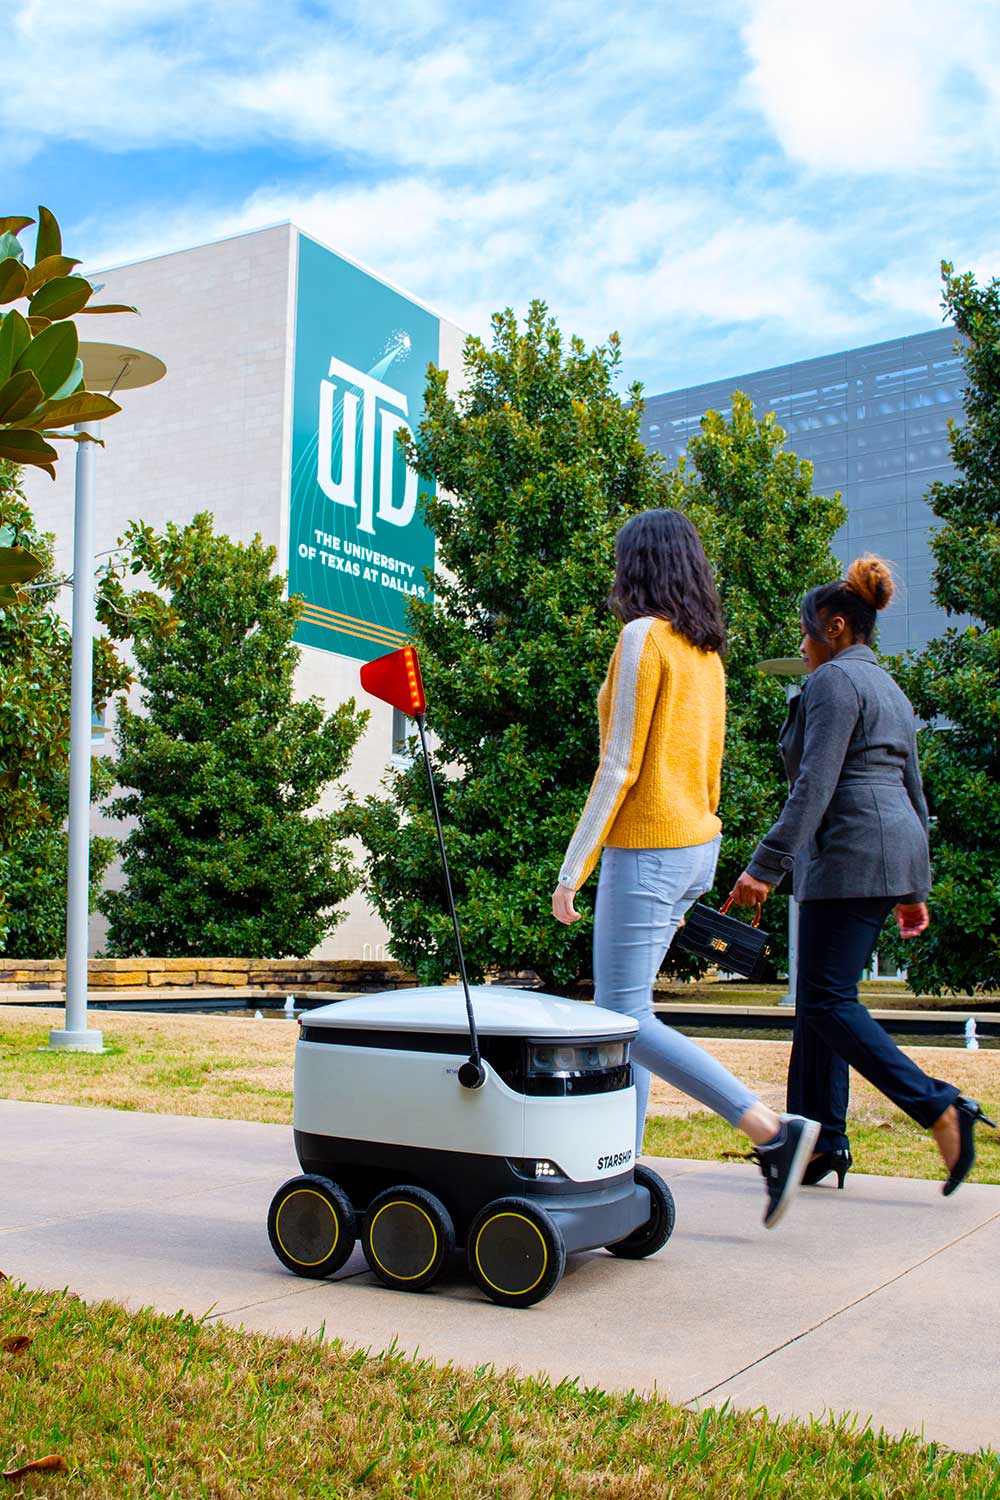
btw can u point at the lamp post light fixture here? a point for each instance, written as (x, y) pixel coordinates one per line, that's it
(107, 368)
(789, 669)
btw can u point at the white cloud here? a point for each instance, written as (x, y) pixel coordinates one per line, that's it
(651, 269)
(892, 86)
(610, 159)
(445, 87)
(913, 287)
(912, 290)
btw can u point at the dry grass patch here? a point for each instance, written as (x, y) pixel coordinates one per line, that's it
(231, 1068)
(143, 1405)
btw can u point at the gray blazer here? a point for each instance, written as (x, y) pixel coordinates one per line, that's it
(855, 822)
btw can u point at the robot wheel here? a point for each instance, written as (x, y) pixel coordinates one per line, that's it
(408, 1238)
(515, 1252)
(658, 1228)
(311, 1226)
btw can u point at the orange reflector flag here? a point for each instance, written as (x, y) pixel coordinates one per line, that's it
(396, 679)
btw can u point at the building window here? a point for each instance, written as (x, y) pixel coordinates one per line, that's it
(401, 732)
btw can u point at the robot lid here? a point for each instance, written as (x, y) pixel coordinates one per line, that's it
(499, 1012)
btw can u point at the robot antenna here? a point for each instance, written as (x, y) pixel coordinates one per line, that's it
(472, 1074)
(396, 679)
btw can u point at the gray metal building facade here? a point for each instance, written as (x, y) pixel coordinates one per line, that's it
(874, 423)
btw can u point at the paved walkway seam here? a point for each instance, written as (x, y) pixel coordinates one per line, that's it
(840, 1311)
(295, 1291)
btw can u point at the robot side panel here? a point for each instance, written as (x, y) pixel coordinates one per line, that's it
(409, 1098)
(590, 1137)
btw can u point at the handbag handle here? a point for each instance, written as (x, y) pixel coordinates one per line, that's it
(757, 915)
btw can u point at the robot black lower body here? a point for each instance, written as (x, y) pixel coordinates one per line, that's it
(412, 1208)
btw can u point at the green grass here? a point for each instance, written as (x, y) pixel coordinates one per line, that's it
(224, 1067)
(149, 1407)
(893, 1147)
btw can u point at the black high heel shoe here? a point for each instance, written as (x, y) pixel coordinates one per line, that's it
(826, 1162)
(969, 1111)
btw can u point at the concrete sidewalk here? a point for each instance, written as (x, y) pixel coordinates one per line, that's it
(882, 1299)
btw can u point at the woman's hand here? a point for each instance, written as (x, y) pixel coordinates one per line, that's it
(912, 918)
(563, 908)
(750, 892)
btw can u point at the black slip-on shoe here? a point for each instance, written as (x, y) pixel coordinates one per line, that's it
(784, 1163)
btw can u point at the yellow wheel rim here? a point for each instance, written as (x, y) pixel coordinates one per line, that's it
(310, 1193)
(415, 1276)
(506, 1291)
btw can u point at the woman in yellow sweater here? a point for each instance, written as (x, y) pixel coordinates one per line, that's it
(652, 810)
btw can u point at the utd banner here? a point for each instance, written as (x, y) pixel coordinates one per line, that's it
(357, 548)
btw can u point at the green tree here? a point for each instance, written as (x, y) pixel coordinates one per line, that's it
(223, 767)
(35, 664)
(954, 683)
(538, 462)
(768, 538)
(35, 872)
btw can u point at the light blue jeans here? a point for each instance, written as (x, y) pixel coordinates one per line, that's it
(642, 894)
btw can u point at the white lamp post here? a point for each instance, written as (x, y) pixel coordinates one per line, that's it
(790, 669)
(107, 368)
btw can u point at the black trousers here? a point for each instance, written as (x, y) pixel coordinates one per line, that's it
(834, 1032)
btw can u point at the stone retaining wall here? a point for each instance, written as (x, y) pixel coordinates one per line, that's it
(277, 975)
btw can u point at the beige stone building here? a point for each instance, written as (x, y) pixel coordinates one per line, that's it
(290, 370)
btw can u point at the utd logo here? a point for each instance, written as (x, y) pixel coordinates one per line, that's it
(358, 412)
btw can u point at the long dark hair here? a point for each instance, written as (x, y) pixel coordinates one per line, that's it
(866, 589)
(661, 569)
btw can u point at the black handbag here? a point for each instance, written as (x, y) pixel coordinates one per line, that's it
(737, 947)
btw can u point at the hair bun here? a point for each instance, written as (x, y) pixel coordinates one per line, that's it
(871, 578)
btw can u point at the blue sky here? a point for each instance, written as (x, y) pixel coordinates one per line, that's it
(730, 184)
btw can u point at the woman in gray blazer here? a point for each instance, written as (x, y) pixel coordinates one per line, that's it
(853, 837)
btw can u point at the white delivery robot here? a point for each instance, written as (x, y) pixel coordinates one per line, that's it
(518, 1147)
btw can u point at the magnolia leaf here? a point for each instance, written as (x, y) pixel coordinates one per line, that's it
(15, 336)
(10, 246)
(72, 437)
(38, 325)
(49, 241)
(16, 1343)
(8, 595)
(51, 354)
(14, 224)
(22, 446)
(19, 397)
(52, 1463)
(110, 307)
(62, 297)
(44, 270)
(72, 383)
(18, 566)
(86, 406)
(13, 280)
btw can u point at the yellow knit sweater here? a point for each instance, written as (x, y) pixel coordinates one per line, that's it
(662, 714)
